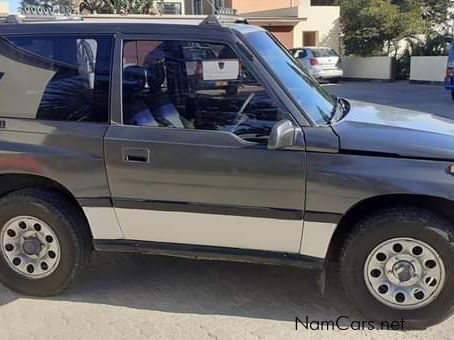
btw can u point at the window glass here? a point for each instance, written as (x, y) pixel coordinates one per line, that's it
(198, 7)
(219, 4)
(324, 52)
(304, 89)
(194, 85)
(55, 78)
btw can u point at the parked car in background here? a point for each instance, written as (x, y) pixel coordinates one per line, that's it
(322, 62)
(449, 80)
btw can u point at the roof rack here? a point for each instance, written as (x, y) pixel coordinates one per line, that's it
(20, 19)
(219, 20)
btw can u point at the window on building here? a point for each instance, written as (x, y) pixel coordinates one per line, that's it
(197, 7)
(325, 2)
(194, 85)
(170, 8)
(310, 38)
(219, 4)
(55, 78)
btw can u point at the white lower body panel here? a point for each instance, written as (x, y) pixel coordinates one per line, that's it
(255, 233)
(316, 238)
(211, 230)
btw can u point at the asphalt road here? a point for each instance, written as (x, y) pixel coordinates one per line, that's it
(433, 99)
(140, 297)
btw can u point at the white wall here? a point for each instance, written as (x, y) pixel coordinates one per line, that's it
(324, 19)
(428, 68)
(379, 68)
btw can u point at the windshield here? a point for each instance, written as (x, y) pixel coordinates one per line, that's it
(304, 89)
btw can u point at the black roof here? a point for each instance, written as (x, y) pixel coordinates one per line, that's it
(117, 25)
(103, 28)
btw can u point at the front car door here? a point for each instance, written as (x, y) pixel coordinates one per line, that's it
(187, 159)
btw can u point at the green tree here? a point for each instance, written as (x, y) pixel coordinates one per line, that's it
(370, 26)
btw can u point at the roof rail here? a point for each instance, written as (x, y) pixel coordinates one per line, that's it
(219, 20)
(21, 19)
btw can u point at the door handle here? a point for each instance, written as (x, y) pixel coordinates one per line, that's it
(136, 155)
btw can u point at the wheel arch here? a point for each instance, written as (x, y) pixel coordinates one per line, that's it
(442, 206)
(10, 182)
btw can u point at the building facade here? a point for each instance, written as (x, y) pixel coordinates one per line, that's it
(296, 23)
(206, 7)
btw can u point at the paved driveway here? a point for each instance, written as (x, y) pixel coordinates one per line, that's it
(142, 297)
(425, 98)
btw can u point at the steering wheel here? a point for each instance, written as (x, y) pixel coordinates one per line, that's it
(239, 115)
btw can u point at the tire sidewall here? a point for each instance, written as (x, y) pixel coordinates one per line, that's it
(354, 259)
(69, 252)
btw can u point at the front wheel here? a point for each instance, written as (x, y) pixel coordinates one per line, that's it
(399, 264)
(43, 240)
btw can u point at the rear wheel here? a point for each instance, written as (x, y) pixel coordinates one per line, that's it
(43, 240)
(399, 264)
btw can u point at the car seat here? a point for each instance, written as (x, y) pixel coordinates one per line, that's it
(135, 108)
(162, 107)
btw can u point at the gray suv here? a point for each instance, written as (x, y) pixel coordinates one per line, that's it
(107, 144)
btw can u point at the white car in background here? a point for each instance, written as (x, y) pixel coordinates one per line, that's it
(322, 62)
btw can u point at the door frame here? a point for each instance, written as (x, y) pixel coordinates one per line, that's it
(245, 56)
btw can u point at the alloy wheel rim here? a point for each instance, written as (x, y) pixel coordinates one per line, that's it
(404, 273)
(30, 247)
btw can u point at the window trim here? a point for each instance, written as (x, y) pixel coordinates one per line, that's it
(118, 98)
(76, 35)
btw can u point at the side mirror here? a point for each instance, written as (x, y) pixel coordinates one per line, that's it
(282, 135)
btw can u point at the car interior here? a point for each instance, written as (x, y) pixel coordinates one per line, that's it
(194, 85)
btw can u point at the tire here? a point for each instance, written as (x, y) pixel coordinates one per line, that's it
(56, 217)
(380, 230)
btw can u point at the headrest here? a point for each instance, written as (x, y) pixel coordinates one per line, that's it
(154, 65)
(134, 78)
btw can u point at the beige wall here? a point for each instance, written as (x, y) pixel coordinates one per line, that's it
(323, 19)
(245, 6)
(4, 8)
(428, 68)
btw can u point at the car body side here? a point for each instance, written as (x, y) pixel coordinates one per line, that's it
(71, 157)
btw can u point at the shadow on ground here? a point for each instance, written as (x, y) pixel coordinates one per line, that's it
(201, 287)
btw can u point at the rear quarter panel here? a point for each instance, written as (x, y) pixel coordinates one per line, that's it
(70, 153)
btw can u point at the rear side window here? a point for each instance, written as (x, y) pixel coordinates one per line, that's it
(324, 52)
(55, 78)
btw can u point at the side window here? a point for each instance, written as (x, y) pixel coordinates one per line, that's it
(55, 78)
(194, 85)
